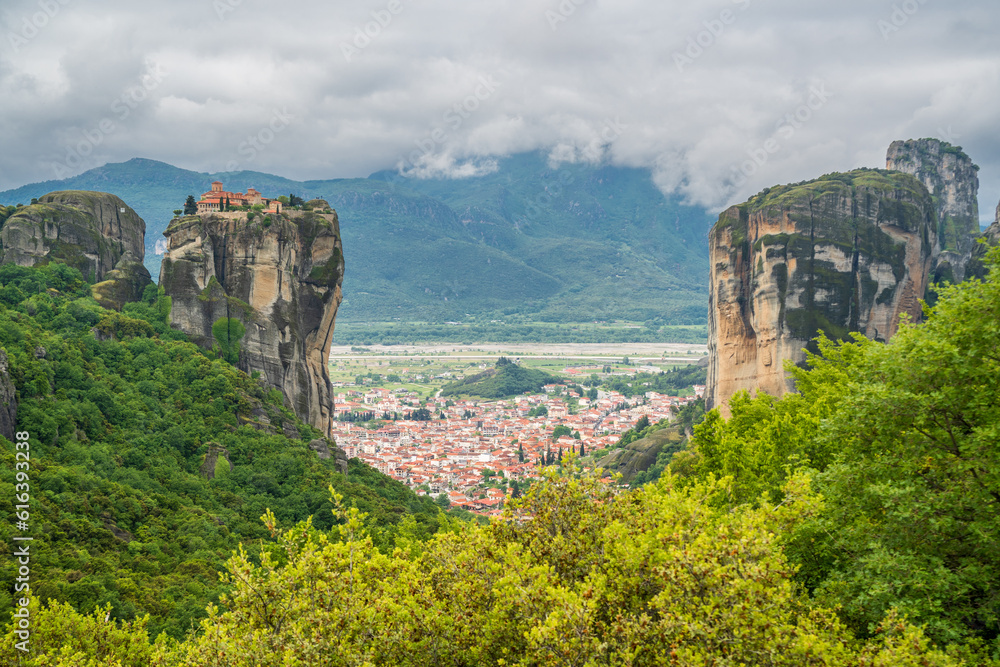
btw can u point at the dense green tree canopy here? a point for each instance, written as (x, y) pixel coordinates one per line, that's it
(903, 442)
(122, 412)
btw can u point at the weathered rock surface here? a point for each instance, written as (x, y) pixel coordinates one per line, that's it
(640, 455)
(844, 253)
(95, 232)
(975, 267)
(270, 288)
(953, 181)
(210, 464)
(8, 400)
(326, 449)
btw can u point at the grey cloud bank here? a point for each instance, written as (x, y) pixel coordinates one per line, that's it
(701, 91)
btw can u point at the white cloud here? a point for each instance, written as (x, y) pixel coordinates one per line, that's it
(557, 89)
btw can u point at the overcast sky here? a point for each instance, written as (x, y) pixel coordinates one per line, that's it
(692, 89)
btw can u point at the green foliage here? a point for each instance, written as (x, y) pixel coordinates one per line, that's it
(6, 212)
(539, 410)
(641, 429)
(228, 332)
(651, 577)
(675, 382)
(403, 333)
(561, 430)
(758, 445)
(901, 439)
(190, 205)
(915, 492)
(506, 379)
(119, 428)
(60, 636)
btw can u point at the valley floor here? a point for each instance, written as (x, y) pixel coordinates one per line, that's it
(473, 450)
(679, 352)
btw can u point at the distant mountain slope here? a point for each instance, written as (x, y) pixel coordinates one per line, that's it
(573, 243)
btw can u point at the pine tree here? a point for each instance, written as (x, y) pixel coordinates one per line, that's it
(520, 453)
(190, 205)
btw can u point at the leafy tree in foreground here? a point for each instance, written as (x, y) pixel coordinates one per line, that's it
(902, 439)
(122, 413)
(597, 577)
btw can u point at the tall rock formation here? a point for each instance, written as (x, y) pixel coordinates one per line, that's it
(264, 290)
(8, 400)
(847, 252)
(975, 268)
(95, 232)
(953, 181)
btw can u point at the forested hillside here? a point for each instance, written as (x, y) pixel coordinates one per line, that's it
(856, 523)
(134, 503)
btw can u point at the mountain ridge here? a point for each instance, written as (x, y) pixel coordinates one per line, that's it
(572, 242)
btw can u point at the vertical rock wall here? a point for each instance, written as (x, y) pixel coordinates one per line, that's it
(953, 181)
(844, 253)
(267, 289)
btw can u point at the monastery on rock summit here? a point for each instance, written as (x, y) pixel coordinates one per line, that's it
(216, 199)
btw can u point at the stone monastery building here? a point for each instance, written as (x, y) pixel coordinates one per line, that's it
(215, 199)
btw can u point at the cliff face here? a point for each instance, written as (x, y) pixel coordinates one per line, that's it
(8, 400)
(975, 267)
(847, 252)
(266, 291)
(953, 181)
(95, 232)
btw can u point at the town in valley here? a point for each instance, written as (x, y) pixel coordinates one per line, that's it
(477, 452)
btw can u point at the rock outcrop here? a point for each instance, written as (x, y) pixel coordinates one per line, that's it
(95, 232)
(8, 400)
(953, 181)
(844, 253)
(975, 268)
(266, 292)
(211, 465)
(326, 449)
(642, 454)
